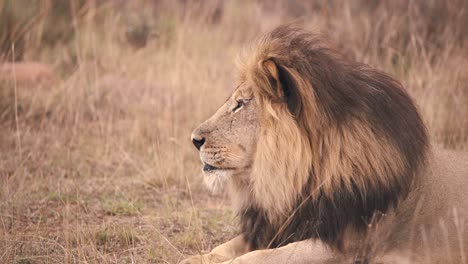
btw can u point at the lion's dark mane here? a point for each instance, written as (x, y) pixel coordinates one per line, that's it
(344, 90)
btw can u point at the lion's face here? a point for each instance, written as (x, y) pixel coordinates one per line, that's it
(227, 140)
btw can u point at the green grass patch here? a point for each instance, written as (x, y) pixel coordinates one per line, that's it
(120, 206)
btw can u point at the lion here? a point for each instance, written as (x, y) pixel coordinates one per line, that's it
(328, 161)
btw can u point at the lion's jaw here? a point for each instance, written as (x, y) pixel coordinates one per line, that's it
(227, 140)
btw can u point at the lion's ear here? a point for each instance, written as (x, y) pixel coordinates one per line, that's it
(273, 75)
(284, 85)
(271, 67)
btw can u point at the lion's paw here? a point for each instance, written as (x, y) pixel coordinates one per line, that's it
(204, 259)
(192, 260)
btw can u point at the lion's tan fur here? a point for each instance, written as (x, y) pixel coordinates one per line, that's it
(281, 164)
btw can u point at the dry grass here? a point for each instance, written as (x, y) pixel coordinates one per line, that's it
(96, 165)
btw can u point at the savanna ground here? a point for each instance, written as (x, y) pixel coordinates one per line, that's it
(96, 165)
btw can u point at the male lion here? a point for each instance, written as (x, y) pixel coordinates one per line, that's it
(328, 161)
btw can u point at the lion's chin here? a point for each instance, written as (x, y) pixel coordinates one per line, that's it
(216, 180)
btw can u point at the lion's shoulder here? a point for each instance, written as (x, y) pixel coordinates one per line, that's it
(446, 175)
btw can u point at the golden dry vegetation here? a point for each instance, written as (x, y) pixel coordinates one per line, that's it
(98, 99)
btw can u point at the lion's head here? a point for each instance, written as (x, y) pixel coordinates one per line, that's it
(227, 140)
(304, 123)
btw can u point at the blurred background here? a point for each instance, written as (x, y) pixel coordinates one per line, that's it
(98, 99)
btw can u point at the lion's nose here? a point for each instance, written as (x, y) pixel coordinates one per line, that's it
(198, 141)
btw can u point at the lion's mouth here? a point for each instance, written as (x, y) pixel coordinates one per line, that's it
(208, 167)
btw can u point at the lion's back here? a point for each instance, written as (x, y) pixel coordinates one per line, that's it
(436, 213)
(448, 175)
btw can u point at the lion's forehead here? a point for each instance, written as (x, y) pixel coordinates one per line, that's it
(243, 90)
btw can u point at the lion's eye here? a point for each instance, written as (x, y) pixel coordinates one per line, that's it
(240, 103)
